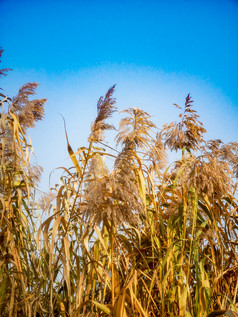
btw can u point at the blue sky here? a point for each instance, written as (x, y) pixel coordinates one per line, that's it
(155, 51)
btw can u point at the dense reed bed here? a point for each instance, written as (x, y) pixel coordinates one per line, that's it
(141, 238)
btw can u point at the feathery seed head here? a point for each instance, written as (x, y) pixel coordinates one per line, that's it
(135, 129)
(114, 197)
(105, 108)
(188, 133)
(28, 111)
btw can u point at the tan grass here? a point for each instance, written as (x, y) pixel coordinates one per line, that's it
(139, 239)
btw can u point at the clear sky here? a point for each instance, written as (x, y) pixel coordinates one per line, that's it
(155, 51)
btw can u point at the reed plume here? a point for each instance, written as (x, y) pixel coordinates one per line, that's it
(105, 108)
(28, 111)
(188, 133)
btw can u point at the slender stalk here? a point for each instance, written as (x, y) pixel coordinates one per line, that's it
(112, 263)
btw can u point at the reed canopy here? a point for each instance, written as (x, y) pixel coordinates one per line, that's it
(123, 233)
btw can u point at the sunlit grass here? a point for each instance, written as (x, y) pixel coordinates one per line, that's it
(138, 239)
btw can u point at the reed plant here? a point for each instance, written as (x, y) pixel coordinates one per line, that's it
(139, 238)
(18, 180)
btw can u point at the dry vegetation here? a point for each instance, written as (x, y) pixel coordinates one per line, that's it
(142, 238)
